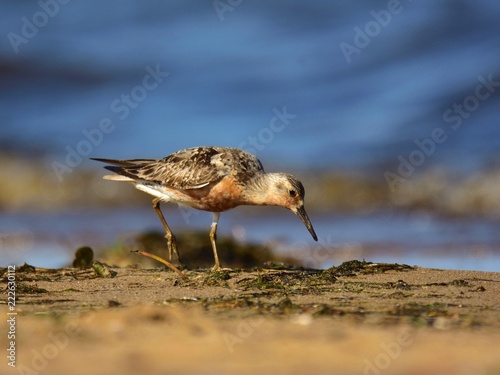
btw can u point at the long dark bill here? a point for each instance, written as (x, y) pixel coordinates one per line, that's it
(301, 212)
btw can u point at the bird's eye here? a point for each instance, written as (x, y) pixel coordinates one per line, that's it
(292, 193)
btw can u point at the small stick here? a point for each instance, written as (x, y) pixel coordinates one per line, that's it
(161, 260)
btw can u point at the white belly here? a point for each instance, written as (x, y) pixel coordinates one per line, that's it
(167, 195)
(157, 191)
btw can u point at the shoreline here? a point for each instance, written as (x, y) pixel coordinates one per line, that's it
(356, 318)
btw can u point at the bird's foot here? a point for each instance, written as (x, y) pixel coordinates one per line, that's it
(216, 268)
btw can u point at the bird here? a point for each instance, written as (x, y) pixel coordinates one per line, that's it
(210, 178)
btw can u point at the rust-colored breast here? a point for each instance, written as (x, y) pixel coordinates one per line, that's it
(217, 197)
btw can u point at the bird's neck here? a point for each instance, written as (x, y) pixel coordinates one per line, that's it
(260, 191)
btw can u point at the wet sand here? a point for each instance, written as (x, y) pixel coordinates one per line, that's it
(358, 318)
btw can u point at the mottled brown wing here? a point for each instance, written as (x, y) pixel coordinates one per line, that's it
(190, 168)
(199, 166)
(186, 169)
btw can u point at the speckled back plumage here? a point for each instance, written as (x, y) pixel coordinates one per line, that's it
(191, 168)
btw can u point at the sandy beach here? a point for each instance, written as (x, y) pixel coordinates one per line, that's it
(358, 318)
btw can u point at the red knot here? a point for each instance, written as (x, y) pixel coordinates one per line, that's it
(213, 179)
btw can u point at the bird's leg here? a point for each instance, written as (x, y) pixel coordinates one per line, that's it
(213, 237)
(171, 243)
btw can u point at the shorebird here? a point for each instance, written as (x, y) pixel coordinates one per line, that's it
(213, 179)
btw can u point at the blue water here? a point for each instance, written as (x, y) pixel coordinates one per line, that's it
(416, 239)
(226, 76)
(271, 77)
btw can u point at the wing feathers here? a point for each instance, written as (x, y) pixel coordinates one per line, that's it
(186, 169)
(191, 168)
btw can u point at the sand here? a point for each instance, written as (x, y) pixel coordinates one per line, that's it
(360, 319)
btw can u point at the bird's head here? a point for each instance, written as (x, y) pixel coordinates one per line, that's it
(286, 191)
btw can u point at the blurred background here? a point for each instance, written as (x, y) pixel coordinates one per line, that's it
(387, 111)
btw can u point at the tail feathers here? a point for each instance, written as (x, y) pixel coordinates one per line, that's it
(126, 163)
(126, 170)
(117, 177)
